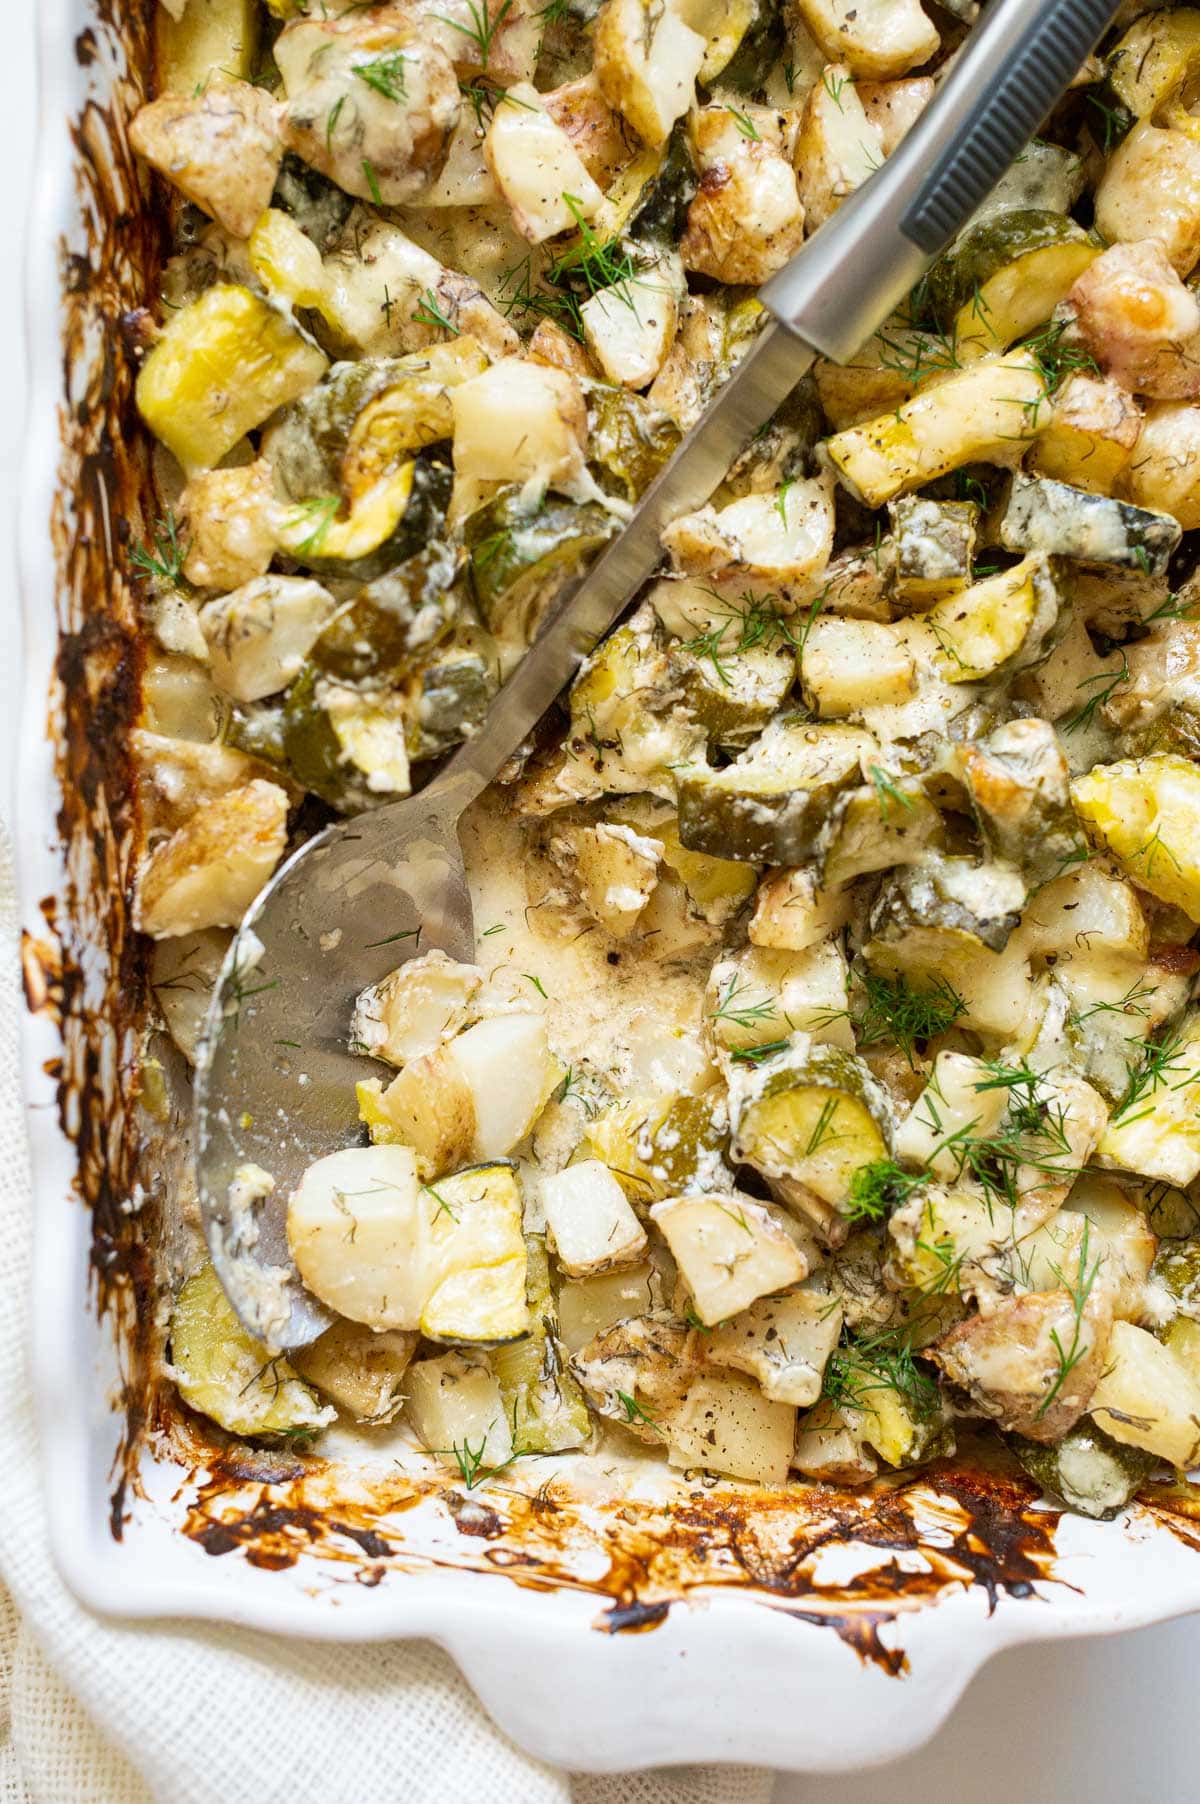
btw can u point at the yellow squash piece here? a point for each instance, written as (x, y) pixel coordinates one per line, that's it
(1146, 812)
(229, 1376)
(210, 36)
(222, 367)
(312, 529)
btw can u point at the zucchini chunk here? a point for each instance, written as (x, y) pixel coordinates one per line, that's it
(541, 1399)
(892, 823)
(1091, 1472)
(1148, 1397)
(783, 1343)
(457, 1412)
(934, 548)
(734, 694)
(1004, 276)
(808, 1119)
(1051, 517)
(771, 803)
(629, 440)
(629, 728)
(359, 1370)
(1151, 62)
(220, 368)
(1090, 435)
(658, 1148)
(726, 1425)
(950, 895)
(730, 1250)
(998, 625)
(415, 1009)
(1018, 783)
(590, 1227)
(381, 1248)
(229, 1376)
(1146, 812)
(978, 414)
(522, 557)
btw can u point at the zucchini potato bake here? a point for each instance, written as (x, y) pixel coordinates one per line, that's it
(828, 1074)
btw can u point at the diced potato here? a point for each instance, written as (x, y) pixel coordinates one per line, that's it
(729, 1250)
(1087, 909)
(847, 665)
(979, 414)
(359, 1370)
(221, 367)
(612, 869)
(210, 870)
(874, 37)
(959, 1097)
(475, 1097)
(1000, 622)
(1139, 321)
(260, 635)
(456, 1409)
(538, 171)
(646, 61)
(588, 1307)
(415, 1008)
(758, 996)
(837, 146)
(746, 219)
(893, 107)
(638, 1372)
(1146, 1397)
(1156, 1132)
(784, 536)
(1151, 189)
(590, 1226)
(791, 912)
(1090, 434)
(1164, 469)
(630, 326)
(727, 1425)
(219, 147)
(596, 129)
(830, 1449)
(229, 1376)
(199, 38)
(1031, 1363)
(380, 1248)
(1146, 812)
(520, 422)
(225, 526)
(783, 1343)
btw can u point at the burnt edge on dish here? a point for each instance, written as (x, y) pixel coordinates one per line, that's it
(89, 972)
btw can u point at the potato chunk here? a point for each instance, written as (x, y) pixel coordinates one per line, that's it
(210, 870)
(746, 219)
(225, 526)
(590, 1224)
(630, 326)
(780, 536)
(727, 1425)
(538, 171)
(520, 422)
(1147, 1397)
(259, 636)
(1164, 469)
(783, 1343)
(729, 1250)
(847, 665)
(874, 37)
(414, 1009)
(359, 1370)
(456, 1409)
(1151, 189)
(1090, 435)
(837, 146)
(219, 147)
(646, 61)
(1156, 1131)
(382, 1249)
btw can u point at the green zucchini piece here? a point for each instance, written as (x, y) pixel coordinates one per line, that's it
(1005, 276)
(389, 623)
(808, 1119)
(979, 903)
(769, 806)
(649, 200)
(734, 694)
(1001, 624)
(762, 44)
(1018, 784)
(892, 823)
(520, 559)
(308, 441)
(316, 756)
(423, 520)
(1177, 1266)
(629, 440)
(934, 548)
(542, 1402)
(657, 1148)
(1093, 1474)
(449, 697)
(1052, 517)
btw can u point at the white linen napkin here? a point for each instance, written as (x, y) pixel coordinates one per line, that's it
(98, 1712)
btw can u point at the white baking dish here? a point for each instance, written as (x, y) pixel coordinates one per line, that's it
(848, 1653)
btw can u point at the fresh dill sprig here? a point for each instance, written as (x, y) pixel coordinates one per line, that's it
(1103, 685)
(742, 1014)
(755, 1055)
(1079, 1290)
(878, 1188)
(887, 792)
(372, 181)
(867, 1364)
(384, 74)
(595, 262)
(483, 27)
(428, 313)
(166, 555)
(1159, 1066)
(745, 124)
(1056, 358)
(896, 1011)
(635, 1411)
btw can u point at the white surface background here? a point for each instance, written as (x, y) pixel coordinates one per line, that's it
(1100, 1722)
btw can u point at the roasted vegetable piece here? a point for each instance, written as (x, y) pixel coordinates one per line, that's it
(935, 547)
(730, 1250)
(359, 1370)
(638, 1373)
(1148, 1397)
(1146, 812)
(726, 1425)
(658, 1148)
(590, 1226)
(218, 146)
(1061, 521)
(221, 367)
(522, 556)
(415, 1009)
(1017, 781)
(541, 1399)
(381, 1248)
(202, 38)
(646, 61)
(1001, 623)
(770, 805)
(1004, 277)
(455, 1407)
(210, 870)
(228, 1376)
(1092, 1473)
(783, 1343)
(1155, 1129)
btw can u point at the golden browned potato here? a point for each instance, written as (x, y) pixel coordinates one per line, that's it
(220, 147)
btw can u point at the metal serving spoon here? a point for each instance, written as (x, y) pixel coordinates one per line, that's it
(275, 1079)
